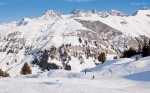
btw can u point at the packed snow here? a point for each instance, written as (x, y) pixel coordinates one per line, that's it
(133, 77)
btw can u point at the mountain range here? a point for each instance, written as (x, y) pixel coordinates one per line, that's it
(75, 39)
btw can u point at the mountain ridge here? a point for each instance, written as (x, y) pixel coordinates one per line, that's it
(74, 40)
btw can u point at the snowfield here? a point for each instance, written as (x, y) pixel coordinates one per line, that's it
(127, 76)
(61, 85)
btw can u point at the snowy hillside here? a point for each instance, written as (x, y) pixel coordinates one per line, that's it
(118, 76)
(134, 26)
(123, 68)
(74, 39)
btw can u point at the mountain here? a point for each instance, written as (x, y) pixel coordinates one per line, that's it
(74, 39)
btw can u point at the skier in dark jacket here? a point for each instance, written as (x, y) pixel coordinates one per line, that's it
(85, 71)
(93, 77)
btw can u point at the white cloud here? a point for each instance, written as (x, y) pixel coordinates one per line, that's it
(78, 0)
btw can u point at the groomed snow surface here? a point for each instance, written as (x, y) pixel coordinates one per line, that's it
(114, 76)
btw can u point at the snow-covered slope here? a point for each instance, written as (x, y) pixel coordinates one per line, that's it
(125, 68)
(60, 85)
(117, 76)
(135, 26)
(75, 39)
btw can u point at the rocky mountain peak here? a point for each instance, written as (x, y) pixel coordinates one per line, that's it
(52, 14)
(23, 22)
(77, 12)
(115, 13)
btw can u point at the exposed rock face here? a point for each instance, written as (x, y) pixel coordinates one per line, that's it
(114, 38)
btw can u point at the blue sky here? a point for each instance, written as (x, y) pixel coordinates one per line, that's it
(17, 9)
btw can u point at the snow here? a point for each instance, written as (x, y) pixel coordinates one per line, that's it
(139, 76)
(110, 69)
(54, 29)
(134, 77)
(39, 34)
(60, 85)
(123, 75)
(121, 67)
(135, 25)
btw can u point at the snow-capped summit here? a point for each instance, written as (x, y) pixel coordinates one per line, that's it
(81, 13)
(51, 14)
(77, 12)
(24, 22)
(93, 11)
(112, 13)
(142, 12)
(116, 13)
(146, 8)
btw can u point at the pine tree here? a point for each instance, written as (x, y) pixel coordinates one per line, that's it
(45, 56)
(130, 52)
(139, 48)
(26, 69)
(102, 57)
(67, 67)
(146, 48)
(35, 61)
(6, 74)
(1, 73)
(44, 60)
(80, 40)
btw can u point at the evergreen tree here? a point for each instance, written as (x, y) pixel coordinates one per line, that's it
(43, 63)
(1, 73)
(67, 67)
(44, 60)
(102, 57)
(130, 52)
(139, 49)
(146, 48)
(6, 74)
(35, 61)
(26, 69)
(80, 40)
(45, 56)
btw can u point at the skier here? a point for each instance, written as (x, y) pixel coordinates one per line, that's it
(85, 71)
(93, 77)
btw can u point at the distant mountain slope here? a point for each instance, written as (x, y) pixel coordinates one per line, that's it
(75, 39)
